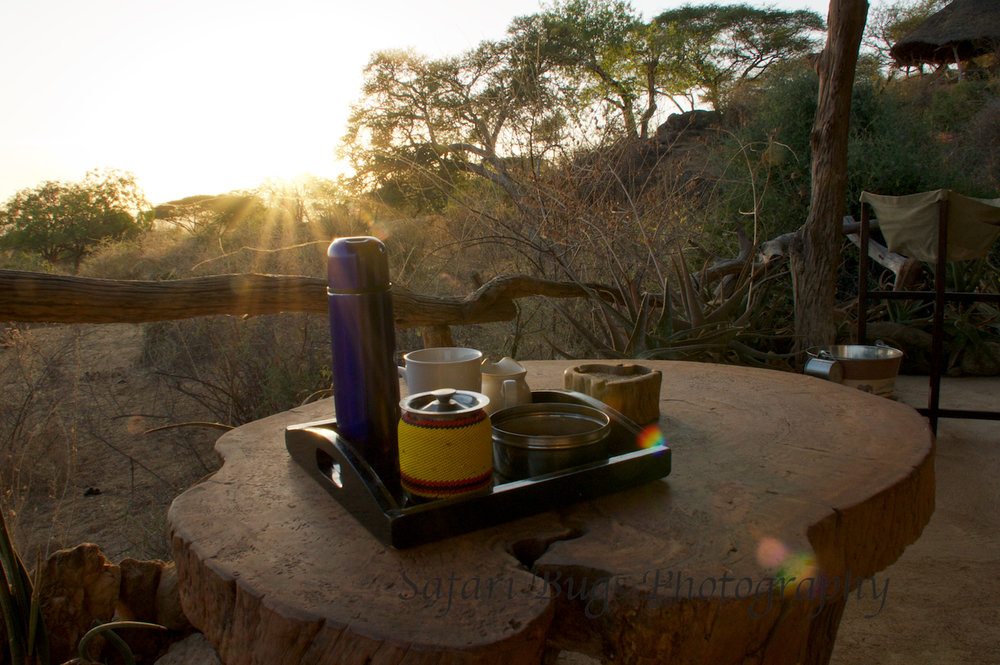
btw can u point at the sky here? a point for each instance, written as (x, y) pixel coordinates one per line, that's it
(210, 96)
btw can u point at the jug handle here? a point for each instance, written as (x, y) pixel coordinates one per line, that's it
(509, 393)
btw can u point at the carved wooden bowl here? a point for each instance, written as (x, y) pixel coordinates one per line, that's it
(632, 390)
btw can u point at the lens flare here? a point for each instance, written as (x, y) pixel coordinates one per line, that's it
(771, 552)
(798, 565)
(783, 562)
(651, 436)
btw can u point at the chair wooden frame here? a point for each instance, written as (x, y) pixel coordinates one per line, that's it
(940, 297)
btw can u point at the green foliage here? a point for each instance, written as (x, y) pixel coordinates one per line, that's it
(906, 136)
(600, 46)
(65, 221)
(977, 148)
(892, 146)
(28, 261)
(763, 166)
(723, 46)
(950, 108)
(424, 125)
(284, 229)
(239, 370)
(970, 329)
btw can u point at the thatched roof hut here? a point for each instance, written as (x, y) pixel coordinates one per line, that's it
(963, 30)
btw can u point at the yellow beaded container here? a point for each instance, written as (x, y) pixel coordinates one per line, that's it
(445, 444)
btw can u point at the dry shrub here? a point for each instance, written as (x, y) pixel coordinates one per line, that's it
(240, 370)
(36, 444)
(76, 463)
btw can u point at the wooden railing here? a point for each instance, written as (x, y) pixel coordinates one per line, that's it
(40, 297)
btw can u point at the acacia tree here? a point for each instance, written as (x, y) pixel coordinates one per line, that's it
(64, 221)
(602, 47)
(620, 60)
(578, 71)
(718, 47)
(815, 249)
(210, 214)
(423, 124)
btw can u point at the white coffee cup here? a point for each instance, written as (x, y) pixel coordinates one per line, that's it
(442, 367)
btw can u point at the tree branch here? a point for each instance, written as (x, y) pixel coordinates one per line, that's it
(38, 297)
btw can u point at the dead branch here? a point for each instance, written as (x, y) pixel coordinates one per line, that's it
(38, 297)
(905, 269)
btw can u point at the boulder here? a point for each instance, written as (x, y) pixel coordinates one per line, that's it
(77, 586)
(981, 359)
(139, 582)
(696, 120)
(192, 650)
(168, 601)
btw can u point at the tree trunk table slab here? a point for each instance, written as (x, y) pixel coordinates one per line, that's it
(788, 495)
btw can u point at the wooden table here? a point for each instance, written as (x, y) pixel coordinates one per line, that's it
(709, 565)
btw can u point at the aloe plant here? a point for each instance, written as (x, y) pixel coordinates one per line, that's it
(26, 637)
(108, 630)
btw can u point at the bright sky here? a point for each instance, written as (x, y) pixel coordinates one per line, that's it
(208, 96)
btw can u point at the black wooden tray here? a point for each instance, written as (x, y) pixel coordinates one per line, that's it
(334, 463)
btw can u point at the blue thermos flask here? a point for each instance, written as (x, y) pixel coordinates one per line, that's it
(362, 335)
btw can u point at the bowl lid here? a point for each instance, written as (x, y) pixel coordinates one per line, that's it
(444, 402)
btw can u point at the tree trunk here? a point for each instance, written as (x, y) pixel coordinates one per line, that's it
(815, 251)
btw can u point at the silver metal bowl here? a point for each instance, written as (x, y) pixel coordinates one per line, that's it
(872, 369)
(535, 439)
(855, 352)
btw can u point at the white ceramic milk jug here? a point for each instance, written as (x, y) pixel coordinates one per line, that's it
(504, 384)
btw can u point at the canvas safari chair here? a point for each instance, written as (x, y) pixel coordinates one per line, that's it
(918, 226)
(910, 223)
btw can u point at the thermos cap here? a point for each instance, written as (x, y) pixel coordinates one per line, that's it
(357, 264)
